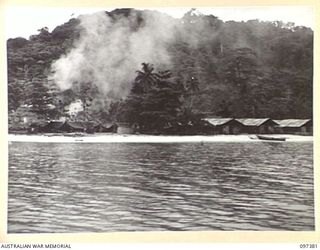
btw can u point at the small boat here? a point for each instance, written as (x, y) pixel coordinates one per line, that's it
(270, 138)
(76, 134)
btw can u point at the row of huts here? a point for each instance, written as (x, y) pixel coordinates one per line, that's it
(212, 126)
(207, 126)
(73, 127)
(260, 126)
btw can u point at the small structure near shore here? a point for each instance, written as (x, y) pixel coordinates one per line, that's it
(52, 127)
(71, 127)
(68, 126)
(258, 125)
(36, 127)
(225, 125)
(106, 128)
(207, 126)
(190, 128)
(125, 128)
(294, 126)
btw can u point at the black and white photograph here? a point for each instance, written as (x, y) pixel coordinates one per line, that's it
(160, 119)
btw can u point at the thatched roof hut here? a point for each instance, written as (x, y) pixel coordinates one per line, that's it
(52, 127)
(258, 125)
(302, 126)
(225, 125)
(68, 126)
(106, 128)
(73, 127)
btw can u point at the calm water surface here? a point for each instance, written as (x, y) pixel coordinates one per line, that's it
(79, 187)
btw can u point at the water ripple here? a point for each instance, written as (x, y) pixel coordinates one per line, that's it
(141, 187)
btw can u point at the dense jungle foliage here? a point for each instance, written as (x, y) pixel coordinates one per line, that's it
(234, 69)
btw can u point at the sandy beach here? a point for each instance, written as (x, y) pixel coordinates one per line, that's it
(116, 138)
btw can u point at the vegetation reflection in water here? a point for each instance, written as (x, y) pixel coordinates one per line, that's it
(140, 187)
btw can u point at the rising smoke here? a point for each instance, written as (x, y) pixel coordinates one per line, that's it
(111, 49)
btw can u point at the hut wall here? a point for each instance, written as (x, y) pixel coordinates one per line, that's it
(303, 130)
(206, 129)
(279, 130)
(78, 129)
(225, 129)
(105, 128)
(209, 130)
(236, 130)
(308, 128)
(262, 129)
(71, 128)
(266, 129)
(291, 130)
(52, 127)
(251, 129)
(218, 130)
(231, 129)
(271, 129)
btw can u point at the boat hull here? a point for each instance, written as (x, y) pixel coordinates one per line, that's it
(270, 138)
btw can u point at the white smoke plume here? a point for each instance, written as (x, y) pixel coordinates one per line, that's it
(109, 51)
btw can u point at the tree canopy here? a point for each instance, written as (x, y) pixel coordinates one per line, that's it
(228, 69)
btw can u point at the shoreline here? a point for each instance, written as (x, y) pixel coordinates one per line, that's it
(126, 138)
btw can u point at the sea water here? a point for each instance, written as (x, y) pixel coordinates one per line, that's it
(103, 187)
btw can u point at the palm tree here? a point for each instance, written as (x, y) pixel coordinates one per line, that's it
(145, 79)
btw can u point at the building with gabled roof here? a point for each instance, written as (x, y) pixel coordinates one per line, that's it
(52, 127)
(258, 125)
(297, 126)
(68, 126)
(73, 127)
(106, 128)
(224, 125)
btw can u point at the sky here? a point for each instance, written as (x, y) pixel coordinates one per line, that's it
(25, 21)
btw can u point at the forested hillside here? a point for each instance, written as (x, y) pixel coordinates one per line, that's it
(202, 66)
